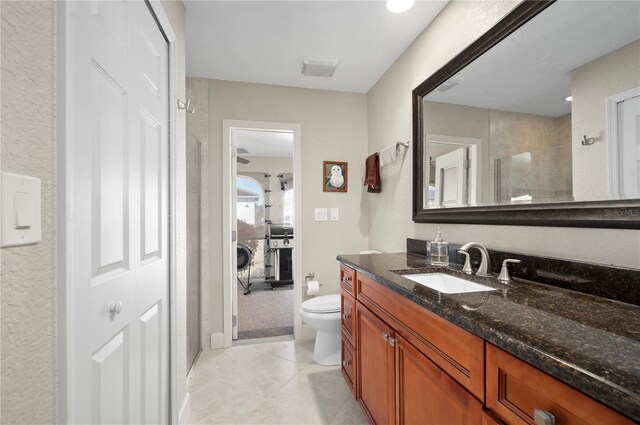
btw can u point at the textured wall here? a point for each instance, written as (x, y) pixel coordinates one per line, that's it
(591, 84)
(389, 118)
(28, 273)
(334, 127)
(175, 12)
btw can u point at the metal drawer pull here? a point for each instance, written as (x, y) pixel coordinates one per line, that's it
(542, 417)
(346, 363)
(386, 336)
(346, 316)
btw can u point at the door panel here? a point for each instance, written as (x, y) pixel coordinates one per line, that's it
(427, 395)
(451, 181)
(375, 363)
(629, 147)
(111, 381)
(118, 220)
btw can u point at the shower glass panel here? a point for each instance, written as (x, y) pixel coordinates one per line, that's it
(194, 155)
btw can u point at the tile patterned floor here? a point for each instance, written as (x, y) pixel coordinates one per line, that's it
(269, 383)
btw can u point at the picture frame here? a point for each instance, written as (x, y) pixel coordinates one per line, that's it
(335, 176)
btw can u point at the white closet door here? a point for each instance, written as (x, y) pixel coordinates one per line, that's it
(451, 181)
(629, 147)
(118, 221)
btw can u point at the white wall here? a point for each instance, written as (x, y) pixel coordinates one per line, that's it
(591, 85)
(389, 118)
(28, 85)
(29, 373)
(334, 127)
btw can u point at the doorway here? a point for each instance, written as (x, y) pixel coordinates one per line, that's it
(623, 114)
(262, 261)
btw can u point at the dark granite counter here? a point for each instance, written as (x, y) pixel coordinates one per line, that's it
(588, 342)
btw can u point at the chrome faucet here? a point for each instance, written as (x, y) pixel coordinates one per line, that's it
(485, 264)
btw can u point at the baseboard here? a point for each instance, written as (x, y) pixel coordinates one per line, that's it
(308, 332)
(217, 341)
(185, 410)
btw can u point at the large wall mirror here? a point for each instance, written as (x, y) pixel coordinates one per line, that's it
(536, 123)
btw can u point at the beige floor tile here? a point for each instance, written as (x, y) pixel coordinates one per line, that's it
(351, 414)
(268, 383)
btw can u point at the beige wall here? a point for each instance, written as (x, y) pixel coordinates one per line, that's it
(29, 370)
(334, 127)
(591, 85)
(389, 118)
(28, 85)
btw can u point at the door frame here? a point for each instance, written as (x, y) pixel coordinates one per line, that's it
(228, 276)
(64, 172)
(611, 130)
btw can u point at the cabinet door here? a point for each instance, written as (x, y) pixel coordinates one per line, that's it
(427, 395)
(375, 363)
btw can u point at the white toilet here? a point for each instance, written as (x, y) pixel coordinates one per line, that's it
(323, 314)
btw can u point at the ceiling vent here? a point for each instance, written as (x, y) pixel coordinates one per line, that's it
(318, 67)
(449, 84)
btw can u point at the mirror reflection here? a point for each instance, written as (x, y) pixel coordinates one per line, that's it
(550, 114)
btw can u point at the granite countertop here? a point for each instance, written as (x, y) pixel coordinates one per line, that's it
(588, 342)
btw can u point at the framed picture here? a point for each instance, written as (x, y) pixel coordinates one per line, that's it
(334, 176)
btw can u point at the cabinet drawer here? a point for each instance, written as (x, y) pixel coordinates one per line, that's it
(348, 310)
(516, 389)
(458, 352)
(348, 279)
(349, 365)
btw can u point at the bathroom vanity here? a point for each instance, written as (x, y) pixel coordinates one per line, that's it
(522, 353)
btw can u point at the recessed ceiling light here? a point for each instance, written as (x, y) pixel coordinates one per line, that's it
(568, 98)
(399, 6)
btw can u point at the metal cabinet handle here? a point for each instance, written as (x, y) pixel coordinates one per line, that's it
(542, 417)
(346, 363)
(116, 308)
(346, 316)
(393, 342)
(386, 336)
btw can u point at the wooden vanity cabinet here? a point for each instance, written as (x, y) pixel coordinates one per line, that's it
(516, 390)
(399, 384)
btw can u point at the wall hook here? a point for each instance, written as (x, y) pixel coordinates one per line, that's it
(187, 107)
(589, 141)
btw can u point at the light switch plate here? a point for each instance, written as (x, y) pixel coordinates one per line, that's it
(335, 214)
(321, 214)
(21, 209)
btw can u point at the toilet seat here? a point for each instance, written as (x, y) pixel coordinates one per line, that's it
(322, 305)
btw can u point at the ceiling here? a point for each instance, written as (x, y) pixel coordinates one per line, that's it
(265, 41)
(530, 71)
(277, 144)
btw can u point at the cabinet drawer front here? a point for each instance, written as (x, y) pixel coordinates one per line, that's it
(427, 395)
(349, 365)
(516, 389)
(456, 351)
(348, 316)
(348, 279)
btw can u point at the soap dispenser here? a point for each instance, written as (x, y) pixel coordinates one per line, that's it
(439, 250)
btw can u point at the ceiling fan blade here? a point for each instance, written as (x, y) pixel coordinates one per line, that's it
(242, 160)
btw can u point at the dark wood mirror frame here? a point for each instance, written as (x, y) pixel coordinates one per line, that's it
(617, 214)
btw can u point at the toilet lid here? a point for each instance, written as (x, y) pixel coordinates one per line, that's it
(323, 304)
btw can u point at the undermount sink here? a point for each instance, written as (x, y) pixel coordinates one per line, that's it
(447, 284)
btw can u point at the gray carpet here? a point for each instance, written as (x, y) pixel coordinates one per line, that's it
(265, 313)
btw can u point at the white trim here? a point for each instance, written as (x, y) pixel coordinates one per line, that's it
(227, 275)
(63, 204)
(185, 409)
(611, 131)
(216, 341)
